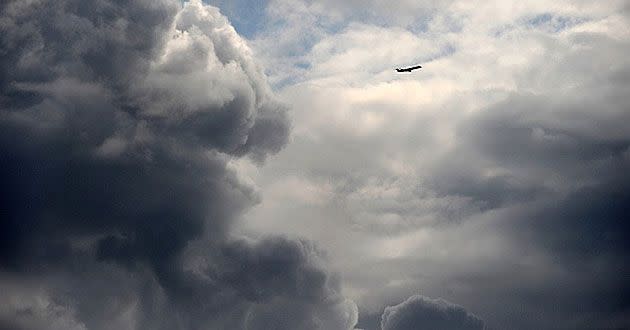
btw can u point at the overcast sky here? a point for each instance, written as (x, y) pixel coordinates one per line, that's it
(261, 165)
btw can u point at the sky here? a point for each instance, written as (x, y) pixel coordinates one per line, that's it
(240, 164)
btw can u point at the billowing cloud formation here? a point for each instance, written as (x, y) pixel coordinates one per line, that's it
(495, 177)
(290, 274)
(118, 121)
(107, 131)
(32, 309)
(419, 312)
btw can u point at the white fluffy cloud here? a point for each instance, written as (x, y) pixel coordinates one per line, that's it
(439, 180)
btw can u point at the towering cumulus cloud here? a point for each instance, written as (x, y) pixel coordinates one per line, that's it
(117, 123)
(419, 312)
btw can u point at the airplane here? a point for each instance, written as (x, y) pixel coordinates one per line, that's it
(409, 69)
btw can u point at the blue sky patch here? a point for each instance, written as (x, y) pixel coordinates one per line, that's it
(247, 16)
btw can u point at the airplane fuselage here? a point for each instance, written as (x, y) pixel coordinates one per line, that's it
(409, 69)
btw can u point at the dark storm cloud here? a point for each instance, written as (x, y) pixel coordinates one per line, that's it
(588, 223)
(529, 131)
(117, 123)
(273, 266)
(483, 193)
(577, 156)
(289, 275)
(44, 41)
(557, 166)
(584, 235)
(555, 140)
(419, 312)
(89, 157)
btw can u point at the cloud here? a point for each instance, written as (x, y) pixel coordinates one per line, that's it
(419, 312)
(292, 277)
(496, 177)
(118, 121)
(500, 162)
(33, 309)
(124, 139)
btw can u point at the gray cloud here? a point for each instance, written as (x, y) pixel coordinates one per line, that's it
(500, 182)
(419, 312)
(495, 178)
(30, 308)
(96, 155)
(118, 122)
(291, 276)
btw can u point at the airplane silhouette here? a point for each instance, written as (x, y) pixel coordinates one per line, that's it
(409, 69)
